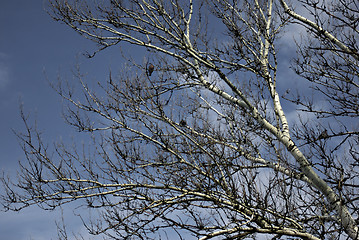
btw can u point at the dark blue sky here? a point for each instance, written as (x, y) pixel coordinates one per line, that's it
(33, 46)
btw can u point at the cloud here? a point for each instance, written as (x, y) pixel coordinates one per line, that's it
(4, 76)
(4, 71)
